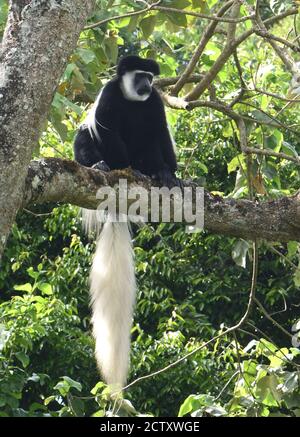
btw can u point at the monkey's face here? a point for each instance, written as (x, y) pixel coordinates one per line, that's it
(136, 85)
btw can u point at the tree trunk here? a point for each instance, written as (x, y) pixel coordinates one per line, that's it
(38, 39)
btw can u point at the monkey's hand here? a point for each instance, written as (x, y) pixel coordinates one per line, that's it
(167, 178)
(101, 165)
(138, 173)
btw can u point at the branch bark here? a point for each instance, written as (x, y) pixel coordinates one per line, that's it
(56, 180)
(37, 41)
(206, 36)
(222, 59)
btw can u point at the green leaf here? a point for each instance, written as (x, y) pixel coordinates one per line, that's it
(86, 55)
(292, 248)
(290, 384)
(124, 22)
(23, 358)
(133, 23)
(147, 25)
(235, 163)
(202, 166)
(98, 388)
(99, 413)
(179, 19)
(215, 410)
(180, 4)
(77, 406)
(49, 399)
(263, 118)
(111, 48)
(296, 276)
(60, 101)
(45, 288)
(24, 287)
(66, 384)
(274, 141)
(212, 51)
(193, 402)
(69, 71)
(288, 149)
(188, 405)
(72, 383)
(32, 273)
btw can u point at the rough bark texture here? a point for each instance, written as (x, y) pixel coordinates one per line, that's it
(39, 37)
(56, 180)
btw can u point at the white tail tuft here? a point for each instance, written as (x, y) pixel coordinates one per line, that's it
(92, 221)
(112, 291)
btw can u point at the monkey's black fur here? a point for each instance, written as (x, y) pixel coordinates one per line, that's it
(131, 133)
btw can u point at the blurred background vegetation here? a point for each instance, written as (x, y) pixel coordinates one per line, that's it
(190, 286)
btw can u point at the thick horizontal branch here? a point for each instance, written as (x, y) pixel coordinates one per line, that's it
(56, 180)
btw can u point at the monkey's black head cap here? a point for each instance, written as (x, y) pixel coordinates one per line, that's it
(132, 62)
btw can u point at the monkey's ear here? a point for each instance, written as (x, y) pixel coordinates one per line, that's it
(123, 65)
(154, 67)
(121, 70)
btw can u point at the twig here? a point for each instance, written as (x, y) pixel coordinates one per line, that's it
(237, 348)
(243, 84)
(275, 122)
(269, 152)
(168, 81)
(279, 351)
(227, 384)
(37, 214)
(276, 96)
(267, 315)
(119, 17)
(273, 249)
(244, 143)
(207, 17)
(156, 6)
(265, 34)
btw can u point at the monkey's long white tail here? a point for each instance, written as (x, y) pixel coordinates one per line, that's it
(112, 288)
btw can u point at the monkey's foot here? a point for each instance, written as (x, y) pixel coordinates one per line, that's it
(168, 179)
(138, 173)
(101, 165)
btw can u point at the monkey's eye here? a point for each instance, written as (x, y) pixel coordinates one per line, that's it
(146, 75)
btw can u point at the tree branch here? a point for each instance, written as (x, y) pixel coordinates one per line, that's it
(120, 17)
(206, 36)
(229, 48)
(56, 180)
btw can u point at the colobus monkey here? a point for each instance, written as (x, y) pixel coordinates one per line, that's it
(126, 127)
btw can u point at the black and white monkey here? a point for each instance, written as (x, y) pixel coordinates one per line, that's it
(126, 127)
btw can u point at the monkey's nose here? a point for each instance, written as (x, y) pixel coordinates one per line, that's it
(144, 90)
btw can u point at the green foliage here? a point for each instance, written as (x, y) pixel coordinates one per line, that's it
(190, 285)
(266, 384)
(3, 16)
